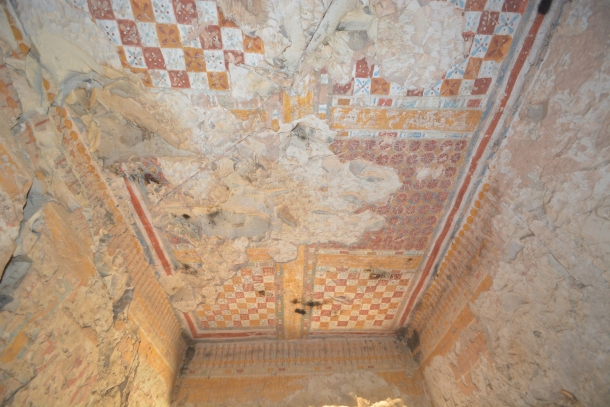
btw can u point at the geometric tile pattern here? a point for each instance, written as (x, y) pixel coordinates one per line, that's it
(245, 301)
(489, 26)
(174, 43)
(411, 213)
(362, 298)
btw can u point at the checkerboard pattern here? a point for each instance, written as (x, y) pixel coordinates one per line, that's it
(174, 43)
(489, 25)
(356, 299)
(246, 301)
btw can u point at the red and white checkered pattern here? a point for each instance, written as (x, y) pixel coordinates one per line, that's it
(356, 299)
(174, 43)
(247, 300)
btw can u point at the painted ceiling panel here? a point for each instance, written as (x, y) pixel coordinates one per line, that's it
(310, 200)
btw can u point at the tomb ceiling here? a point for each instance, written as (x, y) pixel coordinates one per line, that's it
(289, 165)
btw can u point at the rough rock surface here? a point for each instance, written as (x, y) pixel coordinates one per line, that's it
(545, 317)
(71, 331)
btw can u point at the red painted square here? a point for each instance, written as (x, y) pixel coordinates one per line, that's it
(244, 317)
(262, 305)
(101, 9)
(342, 323)
(185, 11)
(343, 89)
(129, 33)
(211, 38)
(153, 58)
(481, 86)
(488, 21)
(378, 323)
(248, 287)
(415, 92)
(341, 282)
(257, 279)
(336, 307)
(179, 79)
(217, 312)
(315, 319)
(224, 306)
(268, 271)
(386, 300)
(375, 306)
(389, 316)
(384, 102)
(237, 323)
(363, 70)
(474, 103)
(475, 5)
(398, 294)
(325, 313)
(359, 295)
(329, 288)
(353, 318)
(239, 295)
(514, 6)
(252, 311)
(370, 289)
(233, 57)
(363, 312)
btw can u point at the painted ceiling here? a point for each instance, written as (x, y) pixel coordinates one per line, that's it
(331, 141)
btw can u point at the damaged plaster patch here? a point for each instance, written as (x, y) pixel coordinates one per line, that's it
(298, 194)
(419, 44)
(364, 388)
(280, 190)
(414, 44)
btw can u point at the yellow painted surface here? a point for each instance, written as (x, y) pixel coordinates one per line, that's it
(187, 256)
(154, 360)
(14, 347)
(221, 390)
(258, 255)
(394, 119)
(70, 247)
(245, 114)
(293, 289)
(368, 262)
(297, 107)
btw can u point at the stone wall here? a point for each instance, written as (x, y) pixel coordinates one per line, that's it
(83, 320)
(518, 311)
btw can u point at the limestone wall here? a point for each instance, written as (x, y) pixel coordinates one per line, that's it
(83, 320)
(518, 312)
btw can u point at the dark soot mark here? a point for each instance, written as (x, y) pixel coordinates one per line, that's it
(544, 6)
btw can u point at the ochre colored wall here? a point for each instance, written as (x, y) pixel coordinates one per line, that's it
(86, 323)
(518, 309)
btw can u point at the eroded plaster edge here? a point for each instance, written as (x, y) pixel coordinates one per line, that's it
(493, 128)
